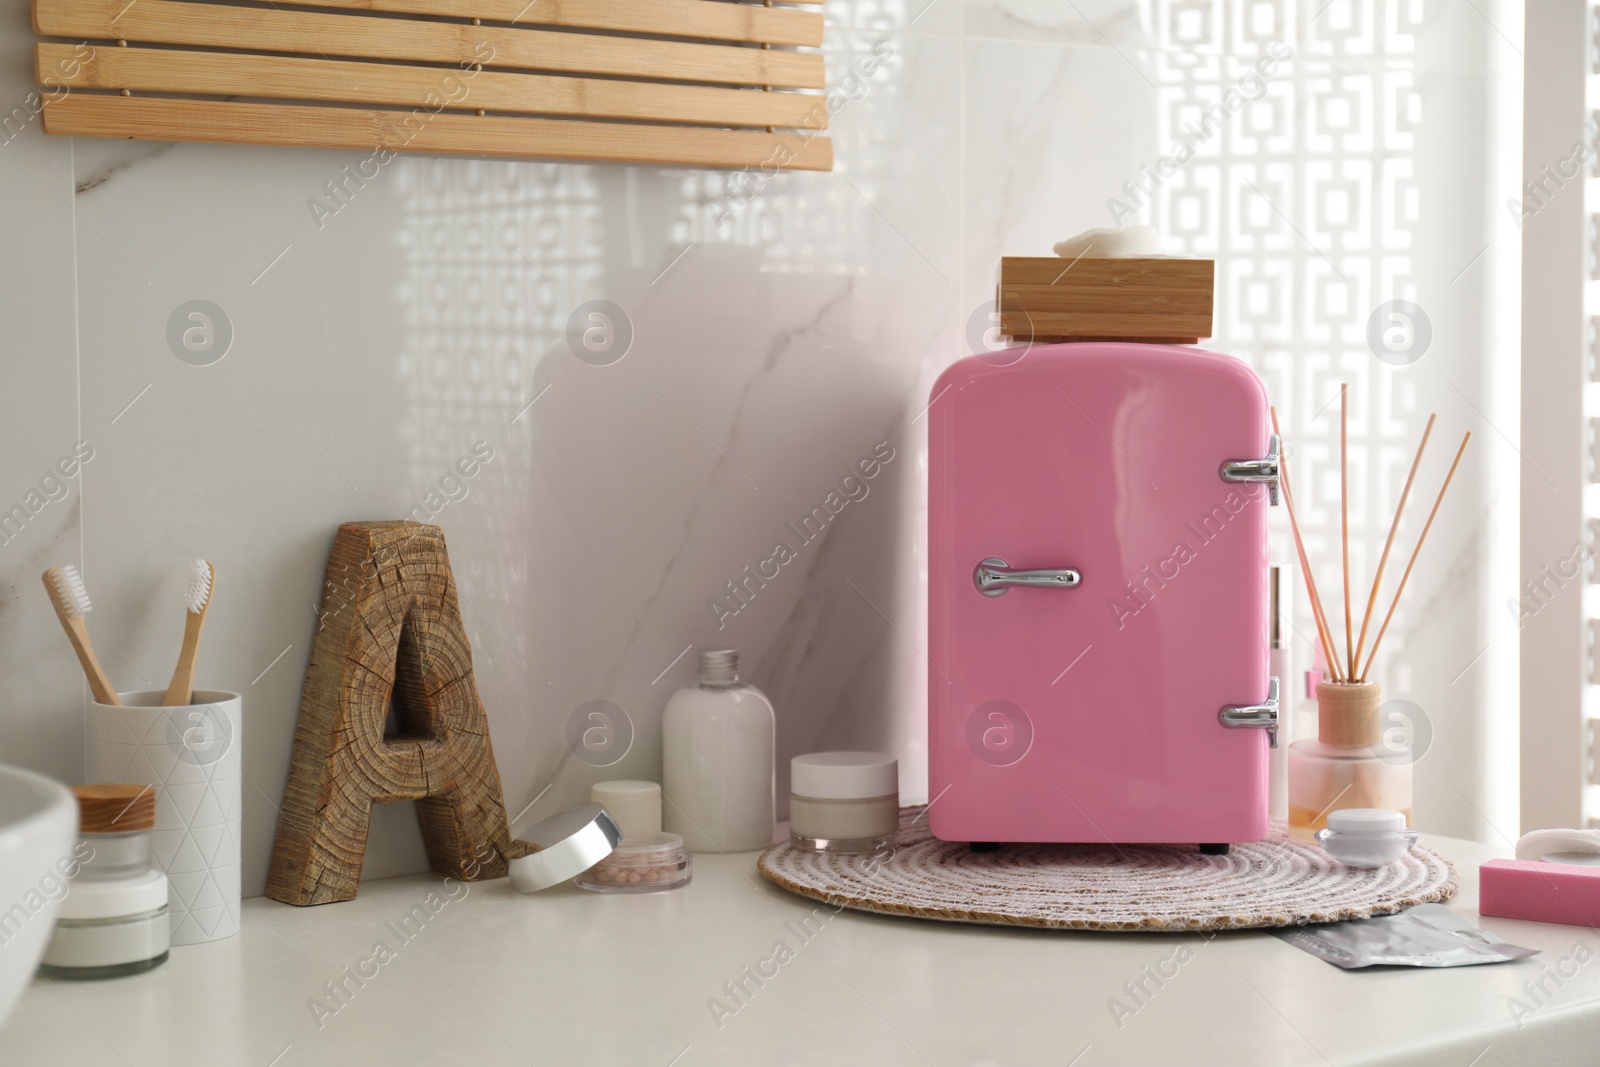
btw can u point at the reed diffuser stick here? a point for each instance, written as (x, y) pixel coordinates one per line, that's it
(1344, 528)
(1383, 560)
(1324, 631)
(1324, 634)
(1412, 561)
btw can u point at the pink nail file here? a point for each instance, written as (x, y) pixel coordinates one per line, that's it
(1541, 892)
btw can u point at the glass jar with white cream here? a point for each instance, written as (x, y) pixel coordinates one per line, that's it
(844, 801)
(113, 920)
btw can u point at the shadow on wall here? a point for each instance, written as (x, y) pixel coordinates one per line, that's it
(662, 417)
(718, 460)
(491, 257)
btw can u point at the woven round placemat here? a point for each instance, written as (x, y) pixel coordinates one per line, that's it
(1276, 882)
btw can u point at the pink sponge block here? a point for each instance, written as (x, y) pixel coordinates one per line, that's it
(1542, 892)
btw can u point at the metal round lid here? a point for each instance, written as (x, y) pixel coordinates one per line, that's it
(569, 844)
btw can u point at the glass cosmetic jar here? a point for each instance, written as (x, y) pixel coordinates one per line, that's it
(114, 920)
(641, 863)
(1366, 837)
(844, 801)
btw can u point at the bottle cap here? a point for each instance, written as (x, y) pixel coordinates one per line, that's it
(115, 809)
(844, 775)
(1347, 714)
(719, 666)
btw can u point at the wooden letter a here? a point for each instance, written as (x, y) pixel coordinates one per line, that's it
(390, 629)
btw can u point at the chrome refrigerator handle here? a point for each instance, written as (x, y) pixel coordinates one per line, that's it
(1263, 716)
(994, 576)
(1256, 470)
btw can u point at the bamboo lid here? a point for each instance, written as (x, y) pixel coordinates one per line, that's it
(115, 809)
(1347, 714)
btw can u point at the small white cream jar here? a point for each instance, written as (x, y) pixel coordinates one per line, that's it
(110, 929)
(844, 801)
(113, 920)
(1366, 837)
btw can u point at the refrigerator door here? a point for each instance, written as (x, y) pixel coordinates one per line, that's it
(1088, 711)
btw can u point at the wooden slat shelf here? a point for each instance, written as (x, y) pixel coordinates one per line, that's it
(528, 80)
(262, 29)
(86, 115)
(296, 78)
(715, 20)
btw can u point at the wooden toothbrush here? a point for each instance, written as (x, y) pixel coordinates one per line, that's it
(71, 602)
(197, 597)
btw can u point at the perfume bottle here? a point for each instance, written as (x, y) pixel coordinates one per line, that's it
(717, 761)
(1280, 666)
(1349, 765)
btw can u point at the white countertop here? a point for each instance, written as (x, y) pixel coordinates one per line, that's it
(570, 977)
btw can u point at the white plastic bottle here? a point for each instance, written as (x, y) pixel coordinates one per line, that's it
(717, 761)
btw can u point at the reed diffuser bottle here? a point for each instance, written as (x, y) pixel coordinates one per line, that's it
(1352, 764)
(1348, 765)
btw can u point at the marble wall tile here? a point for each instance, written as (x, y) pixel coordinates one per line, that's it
(1051, 134)
(40, 431)
(1118, 24)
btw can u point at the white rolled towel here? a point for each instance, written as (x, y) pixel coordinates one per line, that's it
(1129, 242)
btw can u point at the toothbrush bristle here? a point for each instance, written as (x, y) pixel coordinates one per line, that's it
(69, 587)
(199, 590)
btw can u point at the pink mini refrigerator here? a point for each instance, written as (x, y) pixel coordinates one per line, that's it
(1098, 598)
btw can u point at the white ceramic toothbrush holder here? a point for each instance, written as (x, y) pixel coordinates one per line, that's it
(190, 754)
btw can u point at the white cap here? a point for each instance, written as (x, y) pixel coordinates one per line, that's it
(844, 775)
(1366, 821)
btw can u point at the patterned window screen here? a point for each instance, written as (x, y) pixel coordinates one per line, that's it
(1302, 129)
(1314, 150)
